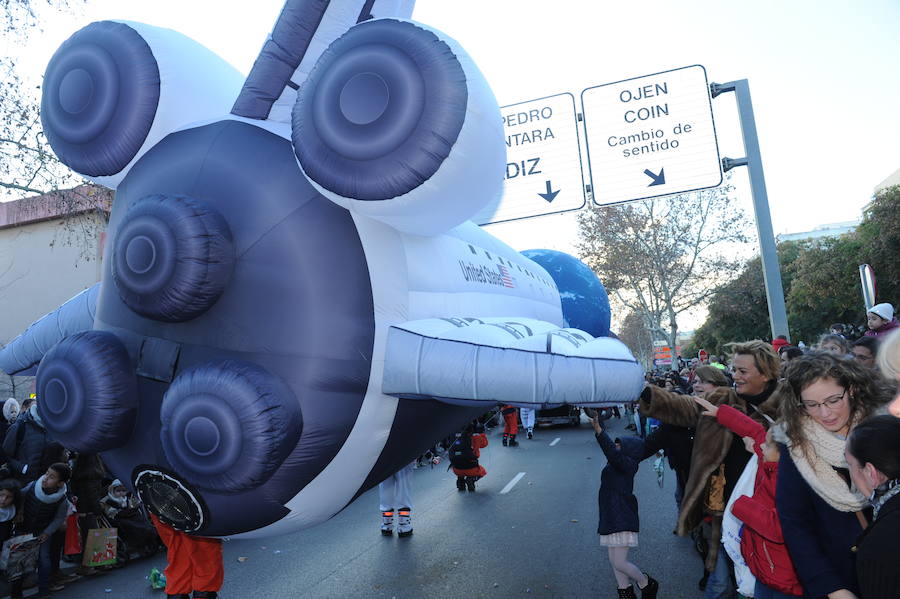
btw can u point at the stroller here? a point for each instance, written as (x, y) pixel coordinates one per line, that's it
(136, 535)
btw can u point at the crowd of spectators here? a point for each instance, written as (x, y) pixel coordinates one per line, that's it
(819, 428)
(46, 490)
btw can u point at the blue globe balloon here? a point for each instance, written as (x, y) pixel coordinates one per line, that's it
(585, 303)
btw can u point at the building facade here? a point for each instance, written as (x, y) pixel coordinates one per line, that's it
(51, 248)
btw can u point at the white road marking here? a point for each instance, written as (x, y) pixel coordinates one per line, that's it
(554, 442)
(512, 483)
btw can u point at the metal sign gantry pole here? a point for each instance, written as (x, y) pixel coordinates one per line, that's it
(753, 162)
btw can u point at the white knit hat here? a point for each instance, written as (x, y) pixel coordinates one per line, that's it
(886, 311)
(10, 409)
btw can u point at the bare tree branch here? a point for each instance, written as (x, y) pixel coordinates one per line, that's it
(662, 258)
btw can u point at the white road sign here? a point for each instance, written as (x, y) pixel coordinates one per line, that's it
(543, 160)
(651, 136)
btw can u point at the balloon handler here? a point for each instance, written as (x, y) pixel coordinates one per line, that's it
(510, 425)
(195, 563)
(464, 453)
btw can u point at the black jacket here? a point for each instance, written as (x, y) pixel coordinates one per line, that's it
(878, 556)
(677, 441)
(618, 505)
(37, 449)
(818, 537)
(39, 517)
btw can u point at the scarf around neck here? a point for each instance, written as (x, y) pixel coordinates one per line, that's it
(760, 398)
(119, 501)
(817, 470)
(7, 513)
(883, 494)
(42, 495)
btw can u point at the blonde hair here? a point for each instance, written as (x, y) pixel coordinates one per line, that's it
(764, 357)
(889, 356)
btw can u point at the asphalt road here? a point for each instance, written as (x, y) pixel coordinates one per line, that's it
(536, 540)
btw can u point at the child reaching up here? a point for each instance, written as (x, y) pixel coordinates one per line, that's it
(619, 523)
(762, 543)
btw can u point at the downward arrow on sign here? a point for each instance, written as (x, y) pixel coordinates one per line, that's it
(659, 179)
(550, 195)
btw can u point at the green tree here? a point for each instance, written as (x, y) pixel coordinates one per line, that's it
(879, 237)
(825, 287)
(739, 310)
(821, 281)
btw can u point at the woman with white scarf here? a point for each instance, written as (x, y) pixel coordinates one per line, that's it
(822, 514)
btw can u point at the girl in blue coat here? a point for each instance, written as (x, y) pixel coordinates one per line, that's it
(619, 522)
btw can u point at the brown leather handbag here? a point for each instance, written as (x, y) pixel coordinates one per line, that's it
(715, 491)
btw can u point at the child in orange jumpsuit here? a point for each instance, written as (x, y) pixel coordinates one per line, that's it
(195, 563)
(464, 453)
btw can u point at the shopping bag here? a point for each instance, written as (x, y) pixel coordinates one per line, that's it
(731, 530)
(19, 556)
(73, 536)
(100, 547)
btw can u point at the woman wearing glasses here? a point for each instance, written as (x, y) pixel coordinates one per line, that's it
(822, 398)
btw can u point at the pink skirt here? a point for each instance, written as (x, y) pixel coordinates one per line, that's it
(619, 539)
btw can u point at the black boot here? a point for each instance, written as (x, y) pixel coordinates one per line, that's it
(460, 483)
(180, 596)
(205, 595)
(470, 483)
(505, 439)
(626, 593)
(650, 589)
(512, 441)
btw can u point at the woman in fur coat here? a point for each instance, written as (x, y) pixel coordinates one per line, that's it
(719, 457)
(822, 399)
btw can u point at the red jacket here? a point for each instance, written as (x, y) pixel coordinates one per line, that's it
(762, 543)
(777, 344)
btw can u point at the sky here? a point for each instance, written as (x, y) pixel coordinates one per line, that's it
(822, 74)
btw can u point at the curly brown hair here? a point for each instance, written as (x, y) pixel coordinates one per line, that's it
(868, 391)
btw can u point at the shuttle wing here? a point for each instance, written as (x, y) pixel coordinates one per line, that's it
(22, 355)
(472, 361)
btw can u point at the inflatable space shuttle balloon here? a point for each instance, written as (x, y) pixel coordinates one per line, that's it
(293, 302)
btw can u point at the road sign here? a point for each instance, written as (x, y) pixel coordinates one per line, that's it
(543, 160)
(651, 136)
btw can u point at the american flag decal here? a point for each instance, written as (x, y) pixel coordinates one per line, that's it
(504, 276)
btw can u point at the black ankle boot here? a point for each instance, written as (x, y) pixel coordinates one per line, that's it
(470, 483)
(505, 439)
(205, 595)
(460, 483)
(626, 593)
(650, 590)
(512, 441)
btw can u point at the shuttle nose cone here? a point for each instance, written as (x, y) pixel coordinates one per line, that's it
(171, 498)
